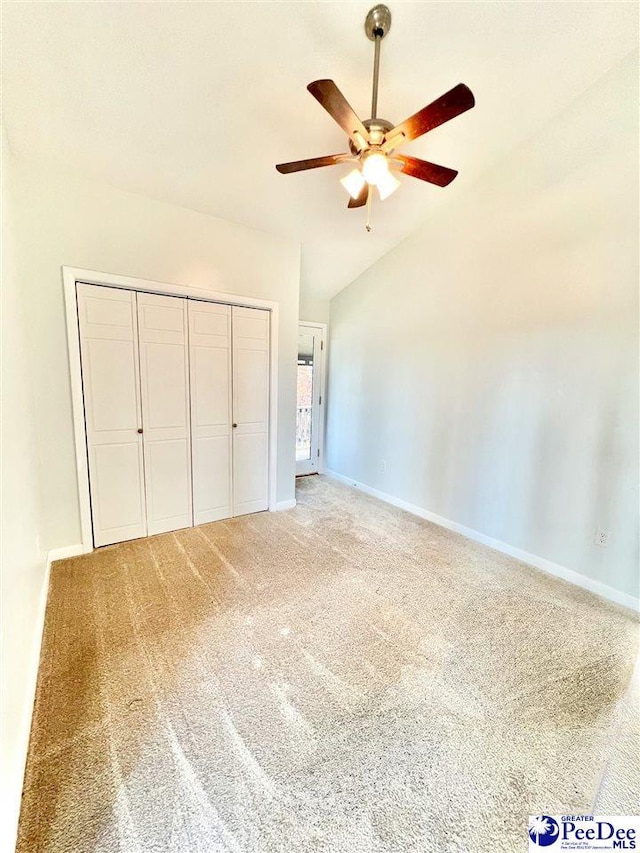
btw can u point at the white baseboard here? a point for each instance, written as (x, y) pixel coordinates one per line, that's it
(11, 810)
(66, 552)
(555, 569)
(290, 504)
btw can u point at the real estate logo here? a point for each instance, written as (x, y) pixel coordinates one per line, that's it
(543, 830)
(583, 832)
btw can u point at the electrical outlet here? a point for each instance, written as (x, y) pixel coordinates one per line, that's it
(382, 466)
(602, 538)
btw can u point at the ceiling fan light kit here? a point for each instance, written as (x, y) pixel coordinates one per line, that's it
(373, 142)
(353, 183)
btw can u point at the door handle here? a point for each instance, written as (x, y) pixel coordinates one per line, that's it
(140, 430)
(235, 426)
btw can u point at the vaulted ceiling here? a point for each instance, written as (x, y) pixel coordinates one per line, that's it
(194, 103)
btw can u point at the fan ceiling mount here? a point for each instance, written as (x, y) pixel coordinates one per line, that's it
(373, 143)
(378, 22)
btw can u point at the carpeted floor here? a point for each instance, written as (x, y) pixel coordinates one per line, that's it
(342, 677)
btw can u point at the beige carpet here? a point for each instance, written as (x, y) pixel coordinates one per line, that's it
(342, 677)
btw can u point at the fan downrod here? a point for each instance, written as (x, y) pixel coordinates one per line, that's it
(378, 22)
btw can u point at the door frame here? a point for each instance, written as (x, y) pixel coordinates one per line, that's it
(72, 275)
(322, 378)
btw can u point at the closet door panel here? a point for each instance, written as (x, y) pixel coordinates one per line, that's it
(167, 485)
(250, 409)
(110, 365)
(210, 378)
(250, 473)
(110, 379)
(165, 367)
(251, 392)
(162, 328)
(118, 481)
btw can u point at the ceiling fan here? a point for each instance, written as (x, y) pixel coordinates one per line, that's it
(373, 143)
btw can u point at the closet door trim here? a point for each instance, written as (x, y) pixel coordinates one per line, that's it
(73, 275)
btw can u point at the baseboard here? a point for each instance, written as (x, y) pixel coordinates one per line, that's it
(12, 813)
(555, 569)
(66, 552)
(290, 504)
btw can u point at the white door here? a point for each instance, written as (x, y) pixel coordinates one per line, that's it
(250, 346)
(210, 383)
(309, 399)
(111, 389)
(164, 380)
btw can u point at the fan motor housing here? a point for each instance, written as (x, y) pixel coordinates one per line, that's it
(376, 127)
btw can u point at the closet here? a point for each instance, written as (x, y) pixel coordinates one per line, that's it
(176, 403)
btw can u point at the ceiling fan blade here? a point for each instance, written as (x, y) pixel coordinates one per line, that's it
(362, 199)
(425, 171)
(331, 98)
(454, 102)
(313, 163)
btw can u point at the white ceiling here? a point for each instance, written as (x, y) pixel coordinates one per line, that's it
(194, 103)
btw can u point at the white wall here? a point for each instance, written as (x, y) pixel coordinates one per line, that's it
(312, 308)
(491, 360)
(62, 220)
(23, 561)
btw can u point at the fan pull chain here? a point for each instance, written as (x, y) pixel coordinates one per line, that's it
(368, 224)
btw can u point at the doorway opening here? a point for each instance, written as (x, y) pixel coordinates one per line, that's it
(310, 398)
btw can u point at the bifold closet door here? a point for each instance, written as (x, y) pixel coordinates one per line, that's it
(210, 383)
(164, 381)
(250, 339)
(111, 389)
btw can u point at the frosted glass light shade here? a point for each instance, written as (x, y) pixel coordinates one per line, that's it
(353, 183)
(387, 184)
(374, 168)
